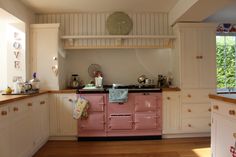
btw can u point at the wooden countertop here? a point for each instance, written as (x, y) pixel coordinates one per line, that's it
(11, 98)
(230, 98)
(4, 99)
(175, 89)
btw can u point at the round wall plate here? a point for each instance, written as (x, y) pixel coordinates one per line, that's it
(119, 23)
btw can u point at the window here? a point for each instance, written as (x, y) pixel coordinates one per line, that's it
(12, 49)
(225, 61)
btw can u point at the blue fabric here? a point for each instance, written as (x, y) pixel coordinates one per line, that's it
(118, 95)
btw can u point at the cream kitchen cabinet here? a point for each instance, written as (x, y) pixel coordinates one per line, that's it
(195, 110)
(5, 146)
(62, 123)
(40, 119)
(45, 48)
(67, 124)
(19, 121)
(197, 47)
(171, 113)
(223, 132)
(21, 129)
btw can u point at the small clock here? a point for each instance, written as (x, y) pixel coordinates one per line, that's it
(119, 23)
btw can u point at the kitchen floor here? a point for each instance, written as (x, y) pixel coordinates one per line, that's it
(186, 147)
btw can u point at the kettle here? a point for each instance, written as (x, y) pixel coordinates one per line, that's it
(27, 86)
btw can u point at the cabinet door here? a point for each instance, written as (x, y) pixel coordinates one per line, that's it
(171, 112)
(189, 62)
(120, 122)
(21, 134)
(224, 128)
(54, 115)
(146, 121)
(5, 145)
(41, 35)
(67, 124)
(94, 122)
(145, 103)
(44, 116)
(207, 66)
(96, 102)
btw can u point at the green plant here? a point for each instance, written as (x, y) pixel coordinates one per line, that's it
(225, 61)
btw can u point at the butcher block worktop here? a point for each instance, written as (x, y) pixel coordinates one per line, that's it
(11, 98)
(230, 98)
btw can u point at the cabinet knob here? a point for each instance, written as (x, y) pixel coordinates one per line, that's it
(30, 104)
(168, 98)
(42, 102)
(232, 112)
(15, 109)
(70, 100)
(209, 110)
(189, 95)
(189, 125)
(234, 135)
(146, 93)
(4, 113)
(189, 110)
(216, 107)
(199, 57)
(209, 124)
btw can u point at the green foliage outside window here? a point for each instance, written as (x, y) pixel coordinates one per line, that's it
(225, 61)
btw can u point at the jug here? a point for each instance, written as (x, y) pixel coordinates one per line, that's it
(98, 81)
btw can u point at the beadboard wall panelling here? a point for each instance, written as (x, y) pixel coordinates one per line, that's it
(151, 23)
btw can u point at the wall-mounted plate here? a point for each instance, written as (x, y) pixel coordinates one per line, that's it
(119, 23)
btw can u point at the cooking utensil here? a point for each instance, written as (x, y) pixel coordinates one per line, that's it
(93, 70)
(141, 79)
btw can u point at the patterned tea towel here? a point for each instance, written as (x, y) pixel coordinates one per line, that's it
(118, 95)
(233, 151)
(81, 106)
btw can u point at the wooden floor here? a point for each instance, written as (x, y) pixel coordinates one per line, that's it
(189, 147)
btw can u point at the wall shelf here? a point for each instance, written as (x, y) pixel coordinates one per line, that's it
(118, 41)
(119, 37)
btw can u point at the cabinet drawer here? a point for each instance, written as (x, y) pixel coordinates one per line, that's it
(224, 108)
(196, 110)
(96, 102)
(95, 121)
(196, 96)
(120, 122)
(169, 97)
(147, 121)
(196, 125)
(145, 103)
(19, 107)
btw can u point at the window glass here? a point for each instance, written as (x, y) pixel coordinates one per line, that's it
(225, 61)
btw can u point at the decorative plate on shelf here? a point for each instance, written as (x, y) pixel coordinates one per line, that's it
(119, 23)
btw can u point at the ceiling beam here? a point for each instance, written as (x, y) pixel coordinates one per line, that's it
(196, 11)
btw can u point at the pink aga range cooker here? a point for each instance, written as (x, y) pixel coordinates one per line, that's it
(141, 115)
